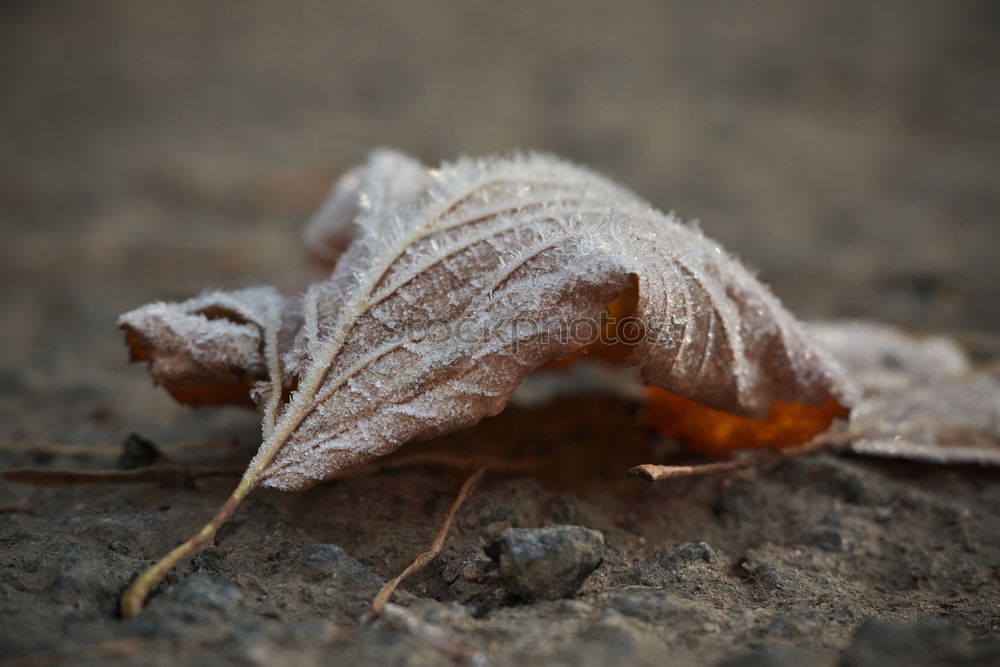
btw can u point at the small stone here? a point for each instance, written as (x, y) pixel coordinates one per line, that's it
(332, 565)
(138, 452)
(211, 592)
(683, 564)
(327, 564)
(827, 539)
(656, 605)
(547, 563)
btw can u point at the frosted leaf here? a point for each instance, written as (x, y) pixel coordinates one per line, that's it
(926, 412)
(212, 349)
(389, 175)
(935, 418)
(921, 401)
(449, 296)
(882, 358)
(455, 284)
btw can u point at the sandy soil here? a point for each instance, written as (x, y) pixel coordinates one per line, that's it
(848, 151)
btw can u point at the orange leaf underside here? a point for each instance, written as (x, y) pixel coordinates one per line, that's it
(699, 428)
(221, 393)
(716, 433)
(233, 392)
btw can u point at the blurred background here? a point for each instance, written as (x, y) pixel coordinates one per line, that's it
(849, 151)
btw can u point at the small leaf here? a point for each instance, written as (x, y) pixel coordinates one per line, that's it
(455, 283)
(442, 305)
(881, 358)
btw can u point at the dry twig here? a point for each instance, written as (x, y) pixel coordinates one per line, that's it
(158, 472)
(426, 557)
(61, 449)
(169, 472)
(824, 442)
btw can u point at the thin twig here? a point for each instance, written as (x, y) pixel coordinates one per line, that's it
(423, 559)
(824, 442)
(158, 472)
(169, 472)
(44, 447)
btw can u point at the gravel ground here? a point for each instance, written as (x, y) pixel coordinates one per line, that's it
(848, 151)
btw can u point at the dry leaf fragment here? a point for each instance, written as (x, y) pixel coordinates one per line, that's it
(213, 349)
(461, 280)
(922, 402)
(882, 358)
(441, 306)
(393, 175)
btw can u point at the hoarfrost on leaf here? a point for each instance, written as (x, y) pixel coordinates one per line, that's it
(450, 285)
(389, 176)
(922, 400)
(214, 348)
(457, 282)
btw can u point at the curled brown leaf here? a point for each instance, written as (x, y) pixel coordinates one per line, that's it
(461, 280)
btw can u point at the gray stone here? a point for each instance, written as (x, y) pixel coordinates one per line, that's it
(138, 452)
(547, 563)
(331, 565)
(656, 605)
(683, 564)
(208, 592)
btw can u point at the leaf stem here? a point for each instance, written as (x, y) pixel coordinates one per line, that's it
(135, 595)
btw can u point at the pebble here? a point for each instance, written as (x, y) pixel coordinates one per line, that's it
(547, 563)
(331, 565)
(683, 563)
(656, 605)
(138, 452)
(208, 592)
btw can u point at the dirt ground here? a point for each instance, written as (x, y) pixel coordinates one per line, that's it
(848, 151)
